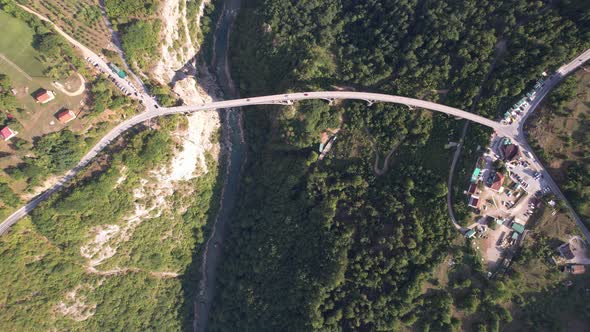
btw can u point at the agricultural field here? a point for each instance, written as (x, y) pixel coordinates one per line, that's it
(560, 134)
(82, 19)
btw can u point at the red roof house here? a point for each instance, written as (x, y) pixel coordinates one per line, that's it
(44, 96)
(7, 133)
(66, 116)
(578, 269)
(498, 180)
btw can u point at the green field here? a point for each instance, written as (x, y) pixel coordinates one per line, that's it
(16, 43)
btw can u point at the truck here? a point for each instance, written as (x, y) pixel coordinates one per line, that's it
(117, 70)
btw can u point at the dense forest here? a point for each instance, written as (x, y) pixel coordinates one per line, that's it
(330, 244)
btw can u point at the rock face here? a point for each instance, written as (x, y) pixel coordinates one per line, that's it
(178, 51)
(176, 66)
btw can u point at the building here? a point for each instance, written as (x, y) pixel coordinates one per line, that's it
(517, 227)
(470, 233)
(65, 116)
(474, 201)
(44, 96)
(577, 269)
(472, 189)
(509, 152)
(475, 174)
(497, 182)
(7, 133)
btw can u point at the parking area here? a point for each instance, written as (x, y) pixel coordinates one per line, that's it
(504, 192)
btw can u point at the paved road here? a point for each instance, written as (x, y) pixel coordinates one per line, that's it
(517, 132)
(118, 48)
(514, 131)
(283, 99)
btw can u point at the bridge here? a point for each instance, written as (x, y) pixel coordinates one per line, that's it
(282, 99)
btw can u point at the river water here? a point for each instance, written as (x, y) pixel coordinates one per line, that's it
(232, 135)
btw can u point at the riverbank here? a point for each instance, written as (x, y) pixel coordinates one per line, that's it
(234, 148)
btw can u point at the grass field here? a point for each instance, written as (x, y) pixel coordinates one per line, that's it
(16, 44)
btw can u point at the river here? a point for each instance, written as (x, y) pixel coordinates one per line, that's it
(232, 134)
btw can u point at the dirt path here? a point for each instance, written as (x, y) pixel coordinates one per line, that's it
(78, 92)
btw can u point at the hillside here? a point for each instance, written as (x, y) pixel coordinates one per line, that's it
(330, 244)
(560, 132)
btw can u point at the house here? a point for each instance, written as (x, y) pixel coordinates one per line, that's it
(509, 152)
(7, 133)
(474, 201)
(497, 182)
(65, 116)
(577, 269)
(470, 233)
(44, 96)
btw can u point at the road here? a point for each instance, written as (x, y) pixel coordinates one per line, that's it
(123, 84)
(282, 99)
(118, 48)
(517, 133)
(513, 131)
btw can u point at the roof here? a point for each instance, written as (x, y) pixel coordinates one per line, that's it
(474, 201)
(518, 227)
(509, 151)
(470, 233)
(498, 180)
(6, 133)
(44, 96)
(65, 116)
(566, 251)
(475, 174)
(472, 188)
(515, 235)
(578, 269)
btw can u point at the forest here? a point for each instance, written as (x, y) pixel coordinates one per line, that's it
(139, 27)
(331, 244)
(43, 256)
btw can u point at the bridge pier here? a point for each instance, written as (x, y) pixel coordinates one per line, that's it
(330, 101)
